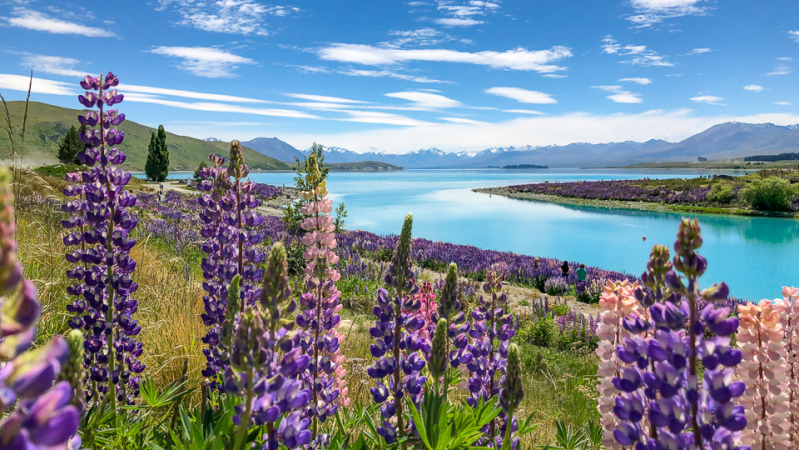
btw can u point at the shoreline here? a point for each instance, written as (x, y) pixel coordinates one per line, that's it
(620, 204)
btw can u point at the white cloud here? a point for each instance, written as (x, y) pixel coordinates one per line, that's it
(708, 99)
(640, 54)
(390, 74)
(554, 76)
(34, 20)
(699, 51)
(421, 37)
(619, 95)
(206, 62)
(783, 103)
(459, 120)
(780, 70)
(243, 17)
(794, 35)
(522, 95)
(537, 130)
(517, 59)
(426, 100)
(323, 98)
(652, 12)
(457, 22)
(220, 107)
(636, 80)
(55, 65)
(754, 88)
(523, 111)
(186, 94)
(785, 58)
(381, 118)
(40, 85)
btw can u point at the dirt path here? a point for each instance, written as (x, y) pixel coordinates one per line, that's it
(272, 207)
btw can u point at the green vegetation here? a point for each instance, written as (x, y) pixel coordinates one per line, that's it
(341, 214)
(197, 177)
(292, 216)
(157, 166)
(365, 166)
(47, 125)
(769, 194)
(71, 145)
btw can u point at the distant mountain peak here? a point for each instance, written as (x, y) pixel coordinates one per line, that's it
(212, 139)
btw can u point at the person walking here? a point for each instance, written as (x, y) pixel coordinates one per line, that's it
(582, 273)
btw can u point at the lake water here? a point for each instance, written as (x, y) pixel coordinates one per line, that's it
(755, 256)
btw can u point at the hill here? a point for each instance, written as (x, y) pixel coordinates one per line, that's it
(274, 148)
(363, 166)
(47, 125)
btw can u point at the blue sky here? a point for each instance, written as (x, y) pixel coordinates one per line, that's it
(396, 76)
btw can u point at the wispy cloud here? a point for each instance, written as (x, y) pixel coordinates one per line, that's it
(651, 12)
(517, 59)
(636, 80)
(220, 107)
(426, 100)
(523, 111)
(205, 62)
(35, 20)
(245, 17)
(457, 22)
(56, 65)
(389, 74)
(708, 99)
(39, 86)
(794, 35)
(699, 51)
(323, 98)
(783, 103)
(639, 54)
(459, 120)
(785, 58)
(780, 70)
(522, 95)
(461, 14)
(754, 88)
(421, 37)
(381, 118)
(619, 95)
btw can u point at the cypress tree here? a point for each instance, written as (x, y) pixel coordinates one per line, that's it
(70, 146)
(157, 166)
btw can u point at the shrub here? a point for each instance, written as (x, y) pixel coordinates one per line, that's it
(721, 193)
(769, 194)
(556, 286)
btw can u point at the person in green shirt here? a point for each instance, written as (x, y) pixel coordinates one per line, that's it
(581, 273)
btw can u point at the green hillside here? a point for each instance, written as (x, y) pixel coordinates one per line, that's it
(47, 125)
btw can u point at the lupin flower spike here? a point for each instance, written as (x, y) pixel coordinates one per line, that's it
(437, 364)
(42, 416)
(319, 305)
(100, 228)
(398, 364)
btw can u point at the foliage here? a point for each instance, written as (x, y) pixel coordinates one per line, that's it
(71, 145)
(157, 166)
(292, 215)
(769, 194)
(721, 193)
(198, 172)
(341, 214)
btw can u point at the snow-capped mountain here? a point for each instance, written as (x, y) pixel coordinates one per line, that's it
(726, 140)
(212, 139)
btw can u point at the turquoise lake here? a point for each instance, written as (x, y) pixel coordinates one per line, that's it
(755, 256)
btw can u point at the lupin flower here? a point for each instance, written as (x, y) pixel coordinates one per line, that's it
(437, 362)
(100, 230)
(319, 305)
(229, 222)
(397, 344)
(449, 308)
(42, 416)
(661, 402)
(790, 322)
(616, 303)
(72, 371)
(491, 323)
(766, 397)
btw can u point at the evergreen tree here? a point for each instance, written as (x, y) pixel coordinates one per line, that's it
(292, 216)
(157, 166)
(70, 147)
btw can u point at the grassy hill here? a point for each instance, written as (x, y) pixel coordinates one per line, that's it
(47, 125)
(363, 166)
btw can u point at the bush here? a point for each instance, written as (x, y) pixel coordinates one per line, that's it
(769, 194)
(556, 286)
(721, 193)
(560, 310)
(540, 332)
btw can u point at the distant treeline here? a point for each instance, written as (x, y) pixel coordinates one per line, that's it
(525, 166)
(772, 158)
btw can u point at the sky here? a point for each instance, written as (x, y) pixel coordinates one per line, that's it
(398, 76)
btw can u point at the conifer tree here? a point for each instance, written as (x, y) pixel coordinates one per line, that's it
(70, 146)
(157, 166)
